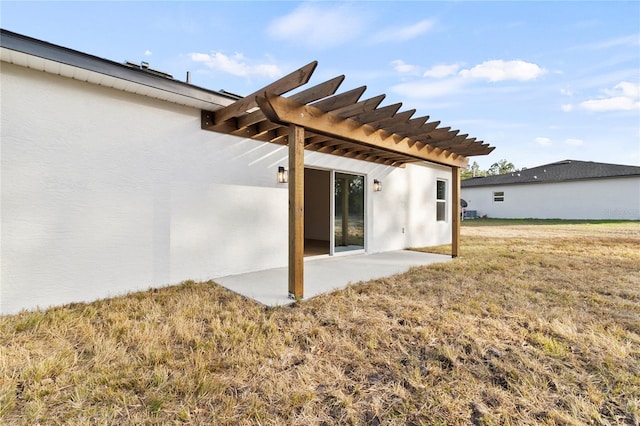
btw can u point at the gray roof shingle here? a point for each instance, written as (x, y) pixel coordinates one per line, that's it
(560, 171)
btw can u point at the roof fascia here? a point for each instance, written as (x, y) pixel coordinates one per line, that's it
(18, 45)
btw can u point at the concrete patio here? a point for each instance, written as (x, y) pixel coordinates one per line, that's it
(323, 275)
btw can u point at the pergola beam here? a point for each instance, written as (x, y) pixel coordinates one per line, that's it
(285, 111)
(341, 100)
(359, 108)
(311, 94)
(408, 138)
(289, 82)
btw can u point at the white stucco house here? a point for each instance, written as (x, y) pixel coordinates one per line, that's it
(117, 178)
(568, 189)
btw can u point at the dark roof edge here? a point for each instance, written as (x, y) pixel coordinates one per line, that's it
(45, 50)
(570, 161)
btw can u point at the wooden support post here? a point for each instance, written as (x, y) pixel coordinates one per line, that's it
(296, 211)
(455, 212)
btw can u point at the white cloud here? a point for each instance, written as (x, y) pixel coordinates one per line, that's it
(450, 80)
(441, 71)
(617, 103)
(317, 26)
(567, 107)
(574, 142)
(402, 67)
(624, 96)
(236, 65)
(499, 70)
(543, 141)
(626, 89)
(147, 53)
(405, 32)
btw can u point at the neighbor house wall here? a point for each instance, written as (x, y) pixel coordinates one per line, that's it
(105, 192)
(613, 198)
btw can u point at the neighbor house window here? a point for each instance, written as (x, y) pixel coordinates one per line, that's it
(498, 197)
(441, 200)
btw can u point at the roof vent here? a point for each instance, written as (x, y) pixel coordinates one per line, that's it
(144, 66)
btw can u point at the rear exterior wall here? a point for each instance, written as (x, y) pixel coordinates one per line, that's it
(105, 192)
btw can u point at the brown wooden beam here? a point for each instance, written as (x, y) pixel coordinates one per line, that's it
(421, 132)
(340, 100)
(399, 118)
(455, 212)
(289, 82)
(480, 149)
(411, 126)
(284, 111)
(348, 112)
(319, 91)
(306, 96)
(358, 108)
(296, 211)
(441, 134)
(378, 114)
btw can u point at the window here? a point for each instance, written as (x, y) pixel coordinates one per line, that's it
(498, 197)
(441, 200)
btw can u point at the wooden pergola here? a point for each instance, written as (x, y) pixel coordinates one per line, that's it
(320, 120)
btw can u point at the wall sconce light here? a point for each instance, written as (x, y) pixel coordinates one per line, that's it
(283, 175)
(377, 185)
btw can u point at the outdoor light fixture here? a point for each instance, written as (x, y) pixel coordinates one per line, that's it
(377, 185)
(283, 175)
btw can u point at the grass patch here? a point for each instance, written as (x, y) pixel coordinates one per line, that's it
(536, 323)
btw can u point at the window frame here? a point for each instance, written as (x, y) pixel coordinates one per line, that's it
(441, 201)
(498, 196)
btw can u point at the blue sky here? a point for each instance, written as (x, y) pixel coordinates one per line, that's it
(540, 81)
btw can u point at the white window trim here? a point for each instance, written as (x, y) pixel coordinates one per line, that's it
(442, 201)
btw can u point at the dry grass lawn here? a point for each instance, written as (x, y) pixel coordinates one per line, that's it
(535, 324)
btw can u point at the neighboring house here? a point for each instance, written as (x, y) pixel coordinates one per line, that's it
(566, 189)
(112, 182)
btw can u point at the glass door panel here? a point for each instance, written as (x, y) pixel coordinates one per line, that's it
(349, 212)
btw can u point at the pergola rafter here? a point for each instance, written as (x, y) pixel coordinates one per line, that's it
(282, 110)
(243, 118)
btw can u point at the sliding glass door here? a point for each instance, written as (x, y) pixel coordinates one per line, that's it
(349, 212)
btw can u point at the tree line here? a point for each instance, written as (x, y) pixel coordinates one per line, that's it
(499, 168)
